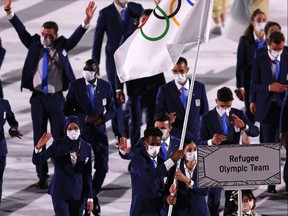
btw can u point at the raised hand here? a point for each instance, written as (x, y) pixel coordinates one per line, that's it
(90, 9)
(237, 122)
(43, 140)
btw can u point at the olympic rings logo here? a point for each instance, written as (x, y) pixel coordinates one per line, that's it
(165, 17)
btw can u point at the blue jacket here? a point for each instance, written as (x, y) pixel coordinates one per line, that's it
(77, 103)
(62, 46)
(147, 186)
(190, 201)
(210, 125)
(262, 77)
(168, 100)
(6, 114)
(110, 22)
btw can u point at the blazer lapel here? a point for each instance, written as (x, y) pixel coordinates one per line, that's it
(176, 97)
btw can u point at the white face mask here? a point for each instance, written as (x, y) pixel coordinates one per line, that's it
(165, 133)
(191, 156)
(73, 134)
(223, 111)
(180, 78)
(274, 53)
(123, 1)
(153, 150)
(89, 75)
(260, 26)
(46, 41)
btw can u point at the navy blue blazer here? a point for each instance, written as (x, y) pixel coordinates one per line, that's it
(210, 124)
(6, 114)
(62, 46)
(190, 201)
(68, 182)
(262, 77)
(245, 56)
(2, 55)
(147, 185)
(168, 100)
(77, 103)
(174, 145)
(110, 22)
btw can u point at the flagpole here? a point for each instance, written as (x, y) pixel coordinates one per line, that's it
(190, 93)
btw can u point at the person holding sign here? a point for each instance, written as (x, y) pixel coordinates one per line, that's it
(223, 126)
(186, 197)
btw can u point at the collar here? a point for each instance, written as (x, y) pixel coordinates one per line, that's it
(272, 58)
(118, 8)
(167, 141)
(87, 83)
(186, 86)
(256, 38)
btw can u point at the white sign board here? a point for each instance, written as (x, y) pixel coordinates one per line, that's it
(238, 165)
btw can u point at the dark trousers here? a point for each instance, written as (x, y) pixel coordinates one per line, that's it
(68, 207)
(214, 201)
(44, 108)
(2, 168)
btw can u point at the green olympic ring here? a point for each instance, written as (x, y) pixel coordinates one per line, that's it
(165, 31)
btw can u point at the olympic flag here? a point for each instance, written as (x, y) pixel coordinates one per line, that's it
(158, 43)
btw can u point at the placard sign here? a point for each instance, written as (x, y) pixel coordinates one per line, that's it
(238, 165)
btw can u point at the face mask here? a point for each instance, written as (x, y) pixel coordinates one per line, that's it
(223, 111)
(46, 41)
(260, 26)
(73, 134)
(165, 133)
(89, 75)
(274, 53)
(180, 78)
(123, 1)
(191, 156)
(153, 150)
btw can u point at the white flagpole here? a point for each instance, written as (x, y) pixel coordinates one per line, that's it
(190, 93)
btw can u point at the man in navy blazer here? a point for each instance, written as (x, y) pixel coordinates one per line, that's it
(2, 55)
(47, 73)
(269, 82)
(169, 144)
(6, 114)
(169, 101)
(94, 109)
(147, 172)
(112, 22)
(220, 126)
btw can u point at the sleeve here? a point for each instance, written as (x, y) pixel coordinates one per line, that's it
(11, 118)
(204, 134)
(240, 66)
(75, 38)
(204, 102)
(98, 36)
(160, 102)
(110, 105)
(253, 130)
(87, 175)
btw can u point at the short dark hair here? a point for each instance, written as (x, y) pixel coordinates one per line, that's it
(91, 65)
(182, 60)
(276, 37)
(269, 24)
(152, 131)
(225, 94)
(147, 12)
(247, 193)
(162, 117)
(51, 25)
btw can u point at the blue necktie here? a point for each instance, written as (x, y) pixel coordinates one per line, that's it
(164, 150)
(277, 71)
(123, 15)
(183, 97)
(154, 163)
(91, 95)
(260, 43)
(224, 124)
(44, 86)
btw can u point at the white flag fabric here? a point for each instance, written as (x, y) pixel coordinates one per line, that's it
(156, 45)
